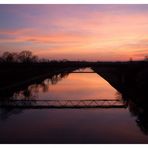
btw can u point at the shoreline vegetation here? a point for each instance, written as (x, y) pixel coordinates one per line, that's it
(25, 69)
(26, 57)
(21, 70)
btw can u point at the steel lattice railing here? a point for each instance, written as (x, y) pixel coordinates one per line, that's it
(95, 103)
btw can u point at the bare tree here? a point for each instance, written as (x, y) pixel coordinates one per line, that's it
(7, 57)
(146, 58)
(27, 57)
(22, 57)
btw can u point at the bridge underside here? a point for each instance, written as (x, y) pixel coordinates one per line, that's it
(59, 104)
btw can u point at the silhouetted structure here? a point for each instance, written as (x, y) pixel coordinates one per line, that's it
(22, 73)
(131, 80)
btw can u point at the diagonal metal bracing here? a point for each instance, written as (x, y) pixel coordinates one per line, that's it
(94, 103)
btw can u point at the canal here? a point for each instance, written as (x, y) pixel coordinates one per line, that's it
(95, 125)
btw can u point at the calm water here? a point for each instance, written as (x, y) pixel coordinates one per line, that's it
(71, 125)
(77, 86)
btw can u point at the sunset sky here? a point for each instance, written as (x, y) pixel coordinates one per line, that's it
(76, 32)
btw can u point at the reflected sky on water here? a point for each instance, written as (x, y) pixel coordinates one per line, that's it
(115, 125)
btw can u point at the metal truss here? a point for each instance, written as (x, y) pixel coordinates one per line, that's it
(95, 103)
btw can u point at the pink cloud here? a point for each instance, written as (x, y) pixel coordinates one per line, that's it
(59, 31)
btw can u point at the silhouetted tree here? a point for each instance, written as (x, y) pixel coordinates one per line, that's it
(146, 58)
(7, 57)
(15, 56)
(131, 59)
(22, 57)
(27, 57)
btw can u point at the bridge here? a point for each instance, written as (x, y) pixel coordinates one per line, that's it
(128, 78)
(83, 72)
(61, 104)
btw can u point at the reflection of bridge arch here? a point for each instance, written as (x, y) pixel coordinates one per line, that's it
(97, 103)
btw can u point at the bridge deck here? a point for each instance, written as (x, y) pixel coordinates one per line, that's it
(63, 104)
(83, 72)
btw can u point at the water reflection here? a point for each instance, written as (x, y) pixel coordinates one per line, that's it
(132, 91)
(76, 86)
(80, 86)
(139, 109)
(28, 89)
(25, 91)
(32, 91)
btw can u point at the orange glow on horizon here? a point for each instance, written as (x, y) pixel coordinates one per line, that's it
(113, 32)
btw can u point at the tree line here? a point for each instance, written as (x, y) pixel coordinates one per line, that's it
(27, 57)
(21, 57)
